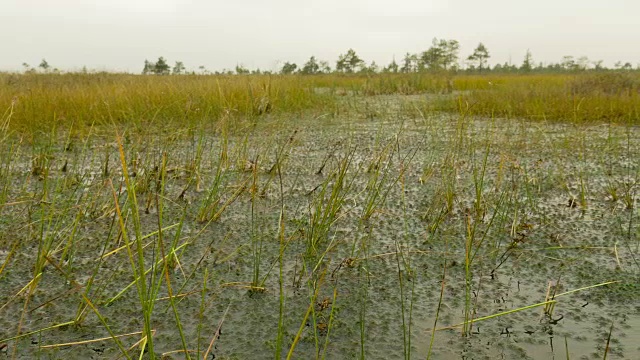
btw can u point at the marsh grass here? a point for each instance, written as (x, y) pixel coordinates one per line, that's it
(134, 224)
(146, 291)
(142, 101)
(580, 98)
(83, 100)
(324, 209)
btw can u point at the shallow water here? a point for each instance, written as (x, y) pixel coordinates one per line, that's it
(546, 215)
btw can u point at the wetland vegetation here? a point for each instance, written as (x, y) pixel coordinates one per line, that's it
(415, 215)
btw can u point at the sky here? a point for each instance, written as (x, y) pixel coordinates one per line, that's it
(118, 35)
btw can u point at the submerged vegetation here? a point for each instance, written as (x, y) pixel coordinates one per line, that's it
(360, 215)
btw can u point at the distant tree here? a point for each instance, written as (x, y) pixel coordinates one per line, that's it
(161, 67)
(406, 64)
(442, 55)
(597, 65)
(527, 64)
(349, 62)
(28, 69)
(480, 56)
(372, 69)
(288, 68)
(392, 67)
(431, 59)
(620, 66)
(409, 63)
(325, 68)
(149, 68)
(451, 48)
(582, 63)
(507, 67)
(44, 65)
(557, 67)
(240, 70)
(178, 68)
(569, 63)
(311, 67)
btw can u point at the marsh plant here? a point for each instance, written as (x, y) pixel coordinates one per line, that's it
(325, 216)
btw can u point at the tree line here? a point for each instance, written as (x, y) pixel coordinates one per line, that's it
(442, 55)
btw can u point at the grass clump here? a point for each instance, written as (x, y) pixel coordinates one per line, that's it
(86, 99)
(580, 98)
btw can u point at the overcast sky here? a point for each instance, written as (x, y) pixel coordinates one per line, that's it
(121, 34)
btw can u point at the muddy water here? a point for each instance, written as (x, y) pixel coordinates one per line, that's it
(553, 209)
